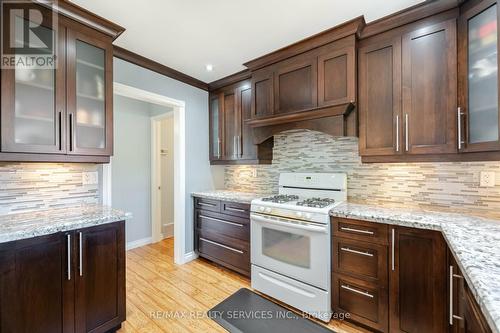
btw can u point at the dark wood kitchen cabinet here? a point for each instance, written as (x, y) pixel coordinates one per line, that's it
(222, 233)
(464, 314)
(417, 287)
(231, 138)
(52, 284)
(478, 97)
(407, 90)
(62, 114)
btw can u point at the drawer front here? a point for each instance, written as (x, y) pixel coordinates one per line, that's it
(365, 301)
(207, 204)
(227, 251)
(360, 230)
(235, 209)
(360, 259)
(228, 225)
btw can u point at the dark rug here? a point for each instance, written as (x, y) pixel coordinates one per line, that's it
(246, 312)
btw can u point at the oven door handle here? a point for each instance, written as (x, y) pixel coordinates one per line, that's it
(290, 224)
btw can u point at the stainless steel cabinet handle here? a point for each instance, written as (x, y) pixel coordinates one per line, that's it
(221, 221)
(343, 286)
(346, 249)
(59, 119)
(452, 275)
(392, 247)
(235, 209)
(80, 236)
(71, 132)
(397, 133)
(407, 140)
(459, 129)
(68, 240)
(367, 232)
(221, 245)
(235, 147)
(205, 204)
(218, 148)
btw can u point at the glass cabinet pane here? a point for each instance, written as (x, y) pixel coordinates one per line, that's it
(90, 96)
(214, 114)
(35, 116)
(483, 76)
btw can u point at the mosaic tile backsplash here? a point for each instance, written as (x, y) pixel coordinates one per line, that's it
(31, 186)
(446, 186)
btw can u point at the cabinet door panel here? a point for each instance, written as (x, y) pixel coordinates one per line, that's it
(100, 293)
(248, 148)
(336, 77)
(429, 89)
(33, 278)
(90, 95)
(33, 105)
(231, 130)
(380, 98)
(296, 84)
(215, 123)
(262, 93)
(418, 293)
(478, 77)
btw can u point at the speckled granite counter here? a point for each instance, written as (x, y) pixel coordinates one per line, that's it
(227, 195)
(45, 222)
(474, 241)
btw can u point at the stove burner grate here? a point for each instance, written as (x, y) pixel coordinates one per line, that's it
(281, 198)
(316, 202)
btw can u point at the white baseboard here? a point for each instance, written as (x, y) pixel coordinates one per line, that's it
(190, 256)
(139, 243)
(169, 230)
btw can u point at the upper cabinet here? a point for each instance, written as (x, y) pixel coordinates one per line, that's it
(63, 113)
(408, 90)
(478, 77)
(231, 138)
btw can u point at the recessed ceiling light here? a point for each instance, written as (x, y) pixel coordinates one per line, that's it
(209, 67)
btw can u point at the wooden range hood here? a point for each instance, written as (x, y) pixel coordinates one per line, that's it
(308, 85)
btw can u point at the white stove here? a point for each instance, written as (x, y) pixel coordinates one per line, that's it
(290, 240)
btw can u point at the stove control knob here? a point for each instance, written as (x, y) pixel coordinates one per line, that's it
(308, 216)
(268, 210)
(298, 214)
(261, 209)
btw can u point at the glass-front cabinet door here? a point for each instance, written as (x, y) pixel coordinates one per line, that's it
(90, 62)
(33, 93)
(216, 127)
(478, 112)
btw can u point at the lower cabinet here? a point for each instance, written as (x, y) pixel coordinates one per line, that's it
(222, 233)
(53, 284)
(464, 313)
(397, 279)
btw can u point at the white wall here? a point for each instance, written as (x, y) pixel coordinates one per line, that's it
(167, 171)
(199, 174)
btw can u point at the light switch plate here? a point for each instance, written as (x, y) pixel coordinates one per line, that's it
(89, 178)
(487, 179)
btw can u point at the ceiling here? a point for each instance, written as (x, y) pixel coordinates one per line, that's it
(189, 34)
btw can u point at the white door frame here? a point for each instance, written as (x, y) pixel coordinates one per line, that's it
(179, 167)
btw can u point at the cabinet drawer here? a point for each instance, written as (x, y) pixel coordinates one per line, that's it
(360, 230)
(228, 225)
(360, 259)
(207, 204)
(227, 251)
(236, 209)
(365, 301)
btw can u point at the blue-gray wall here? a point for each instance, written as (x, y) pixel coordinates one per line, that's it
(199, 174)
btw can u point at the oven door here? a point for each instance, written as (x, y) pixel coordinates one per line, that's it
(296, 249)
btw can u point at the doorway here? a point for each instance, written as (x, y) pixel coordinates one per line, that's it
(162, 108)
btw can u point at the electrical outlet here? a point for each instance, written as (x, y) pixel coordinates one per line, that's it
(89, 178)
(487, 179)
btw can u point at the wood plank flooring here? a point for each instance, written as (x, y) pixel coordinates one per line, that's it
(164, 297)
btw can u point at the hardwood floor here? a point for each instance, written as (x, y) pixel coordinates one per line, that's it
(164, 297)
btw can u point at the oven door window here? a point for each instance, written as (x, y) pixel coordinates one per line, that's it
(287, 247)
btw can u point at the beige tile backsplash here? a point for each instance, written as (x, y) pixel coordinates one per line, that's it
(446, 186)
(31, 186)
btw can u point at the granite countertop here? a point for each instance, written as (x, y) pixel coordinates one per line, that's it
(474, 241)
(228, 195)
(44, 222)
